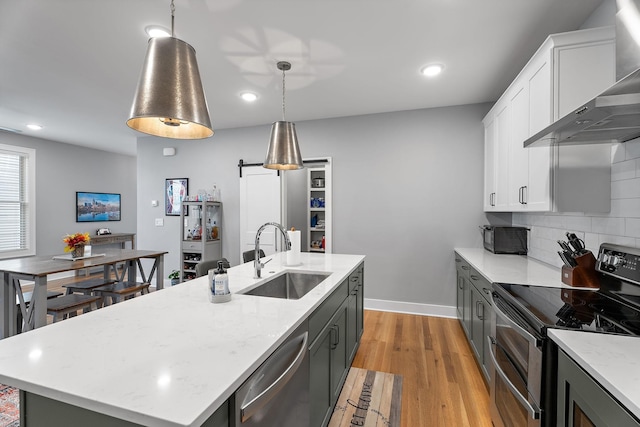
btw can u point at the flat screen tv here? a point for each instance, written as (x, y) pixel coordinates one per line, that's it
(97, 207)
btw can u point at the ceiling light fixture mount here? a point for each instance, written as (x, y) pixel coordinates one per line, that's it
(283, 152)
(169, 100)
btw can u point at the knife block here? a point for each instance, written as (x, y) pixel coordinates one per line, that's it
(584, 274)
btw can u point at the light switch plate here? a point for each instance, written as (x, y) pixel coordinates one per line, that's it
(159, 222)
(154, 203)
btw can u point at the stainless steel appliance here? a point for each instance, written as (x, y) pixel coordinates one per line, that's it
(277, 393)
(523, 387)
(505, 240)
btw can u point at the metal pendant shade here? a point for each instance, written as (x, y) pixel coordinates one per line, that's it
(283, 152)
(169, 101)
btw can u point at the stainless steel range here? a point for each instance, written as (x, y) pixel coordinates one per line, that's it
(523, 387)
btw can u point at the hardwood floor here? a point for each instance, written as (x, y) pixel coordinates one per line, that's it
(442, 384)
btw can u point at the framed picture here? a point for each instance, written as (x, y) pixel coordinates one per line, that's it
(175, 190)
(97, 207)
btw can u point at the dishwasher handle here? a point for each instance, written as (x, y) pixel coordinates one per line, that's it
(272, 390)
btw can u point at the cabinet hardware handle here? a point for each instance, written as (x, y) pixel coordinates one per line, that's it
(524, 195)
(486, 291)
(464, 267)
(332, 332)
(532, 409)
(473, 277)
(513, 325)
(460, 284)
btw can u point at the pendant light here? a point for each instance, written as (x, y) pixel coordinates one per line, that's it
(283, 152)
(169, 100)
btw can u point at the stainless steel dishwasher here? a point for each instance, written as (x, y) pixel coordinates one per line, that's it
(277, 393)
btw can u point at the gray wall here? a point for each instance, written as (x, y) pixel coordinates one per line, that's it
(63, 169)
(407, 189)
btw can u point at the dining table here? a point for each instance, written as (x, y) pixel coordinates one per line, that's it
(37, 268)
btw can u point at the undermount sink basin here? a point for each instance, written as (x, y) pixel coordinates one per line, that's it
(290, 285)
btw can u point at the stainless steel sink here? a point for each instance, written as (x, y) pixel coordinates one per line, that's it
(290, 285)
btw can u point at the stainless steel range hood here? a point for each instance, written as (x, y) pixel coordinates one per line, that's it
(613, 116)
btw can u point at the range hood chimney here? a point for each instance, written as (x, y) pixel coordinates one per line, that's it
(614, 115)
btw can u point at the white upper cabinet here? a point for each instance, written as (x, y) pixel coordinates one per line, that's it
(567, 70)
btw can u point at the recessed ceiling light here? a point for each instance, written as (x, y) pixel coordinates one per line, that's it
(432, 70)
(157, 31)
(249, 96)
(34, 126)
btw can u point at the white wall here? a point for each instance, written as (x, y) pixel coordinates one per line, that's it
(63, 169)
(407, 190)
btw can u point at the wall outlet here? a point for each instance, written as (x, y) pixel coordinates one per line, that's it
(159, 222)
(154, 203)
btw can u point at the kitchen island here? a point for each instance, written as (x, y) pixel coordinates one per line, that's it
(170, 358)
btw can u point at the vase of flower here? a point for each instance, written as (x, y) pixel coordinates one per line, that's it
(75, 244)
(78, 251)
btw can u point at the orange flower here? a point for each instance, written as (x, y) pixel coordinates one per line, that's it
(75, 239)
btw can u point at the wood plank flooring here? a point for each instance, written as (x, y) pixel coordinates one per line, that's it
(442, 384)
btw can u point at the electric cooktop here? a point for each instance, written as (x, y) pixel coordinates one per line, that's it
(613, 308)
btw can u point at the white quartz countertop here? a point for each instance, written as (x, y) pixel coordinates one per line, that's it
(612, 360)
(170, 358)
(517, 269)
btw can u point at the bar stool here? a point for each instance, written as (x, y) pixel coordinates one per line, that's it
(119, 291)
(69, 305)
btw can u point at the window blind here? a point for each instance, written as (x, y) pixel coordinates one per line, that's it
(14, 202)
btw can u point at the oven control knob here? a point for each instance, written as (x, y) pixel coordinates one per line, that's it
(617, 261)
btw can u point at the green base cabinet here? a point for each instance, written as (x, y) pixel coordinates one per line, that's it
(481, 313)
(333, 348)
(40, 411)
(328, 364)
(355, 312)
(582, 402)
(474, 310)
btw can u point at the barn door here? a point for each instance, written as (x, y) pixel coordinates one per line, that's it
(261, 201)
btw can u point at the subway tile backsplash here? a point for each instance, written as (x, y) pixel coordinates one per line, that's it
(620, 226)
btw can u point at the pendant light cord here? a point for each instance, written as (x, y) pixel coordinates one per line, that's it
(173, 10)
(283, 95)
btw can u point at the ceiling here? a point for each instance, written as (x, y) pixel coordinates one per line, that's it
(73, 65)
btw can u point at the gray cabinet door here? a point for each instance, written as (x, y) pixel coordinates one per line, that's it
(352, 325)
(320, 378)
(339, 355)
(583, 402)
(477, 324)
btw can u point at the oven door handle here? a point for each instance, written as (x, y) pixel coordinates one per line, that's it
(533, 410)
(519, 329)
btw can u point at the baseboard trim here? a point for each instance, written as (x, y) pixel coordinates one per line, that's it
(410, 308)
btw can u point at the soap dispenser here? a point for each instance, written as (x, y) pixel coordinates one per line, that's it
(219, 287)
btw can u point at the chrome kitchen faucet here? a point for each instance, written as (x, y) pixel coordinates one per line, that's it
(256, 261)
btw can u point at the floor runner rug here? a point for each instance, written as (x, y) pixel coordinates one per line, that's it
(369, 398)
(9, 406)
